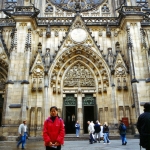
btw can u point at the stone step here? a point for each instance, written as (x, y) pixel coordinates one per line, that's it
(69, 137)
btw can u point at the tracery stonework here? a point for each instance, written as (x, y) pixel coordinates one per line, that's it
(79, 76)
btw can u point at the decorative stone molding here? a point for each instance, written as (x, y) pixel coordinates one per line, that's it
(23, 24)
(49, 8)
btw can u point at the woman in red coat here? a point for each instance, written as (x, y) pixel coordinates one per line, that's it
(53, 132)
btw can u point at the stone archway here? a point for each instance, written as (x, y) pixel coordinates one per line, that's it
(2, 91)
(78, 71)
(3, 77)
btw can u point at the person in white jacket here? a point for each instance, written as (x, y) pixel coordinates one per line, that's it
(91, 130)
(22, 130)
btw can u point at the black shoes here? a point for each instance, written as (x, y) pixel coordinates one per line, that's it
(124, 143)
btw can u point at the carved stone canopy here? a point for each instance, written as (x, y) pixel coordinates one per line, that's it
(79, 76)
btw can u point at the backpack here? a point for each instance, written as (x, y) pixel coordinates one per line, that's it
(123, 127)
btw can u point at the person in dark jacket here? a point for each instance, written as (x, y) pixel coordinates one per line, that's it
(122, 131)
(143, 126)
(53, 131)
(97, 131)
(106, 133)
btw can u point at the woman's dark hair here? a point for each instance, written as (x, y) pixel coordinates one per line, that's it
(54, 108)
(146, 107)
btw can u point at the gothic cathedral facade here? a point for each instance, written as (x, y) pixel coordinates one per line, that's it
(90, 58)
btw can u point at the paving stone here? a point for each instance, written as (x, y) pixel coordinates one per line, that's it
(133, 144)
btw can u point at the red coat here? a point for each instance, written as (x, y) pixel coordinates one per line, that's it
(53, 131)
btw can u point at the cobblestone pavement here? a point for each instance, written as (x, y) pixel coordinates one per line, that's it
(133, 144)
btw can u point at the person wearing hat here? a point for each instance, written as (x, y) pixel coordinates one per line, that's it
(143, 126)
(53, 131)
(22, 130)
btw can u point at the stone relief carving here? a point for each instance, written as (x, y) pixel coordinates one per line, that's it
(2, 55)
(38, 72)
(120, 72)
(79, 76)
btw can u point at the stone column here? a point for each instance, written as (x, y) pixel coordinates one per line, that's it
(132, 70)
(46, 104)
(25, 82)
(79, 111)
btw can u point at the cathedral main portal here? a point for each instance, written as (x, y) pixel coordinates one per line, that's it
(71, 113)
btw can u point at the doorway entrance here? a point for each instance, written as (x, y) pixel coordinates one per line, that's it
(88, 116)
(70, 113)
(89, 110)
(1, 108)
(70, 119)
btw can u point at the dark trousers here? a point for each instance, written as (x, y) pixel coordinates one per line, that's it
(91, 138)
(51, 148)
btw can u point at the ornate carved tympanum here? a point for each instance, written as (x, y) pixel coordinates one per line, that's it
(79, 76)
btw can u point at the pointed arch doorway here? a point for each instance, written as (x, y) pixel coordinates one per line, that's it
(89, 110)
(69, 112)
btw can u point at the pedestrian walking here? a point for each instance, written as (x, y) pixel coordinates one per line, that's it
(22, 130)
(53, 131)
(122, 130)
(91, 131)
(97, 131)
(77, 126)
(101, 133)
(106, 133)
(143, 126)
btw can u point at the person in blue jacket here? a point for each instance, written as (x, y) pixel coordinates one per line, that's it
(77, 126)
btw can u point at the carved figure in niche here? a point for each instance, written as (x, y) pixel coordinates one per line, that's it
(118, 84)
(125, 84)
(34, 85)
(56, 33)
(40, 85)
(110, 58)
(47, 57)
